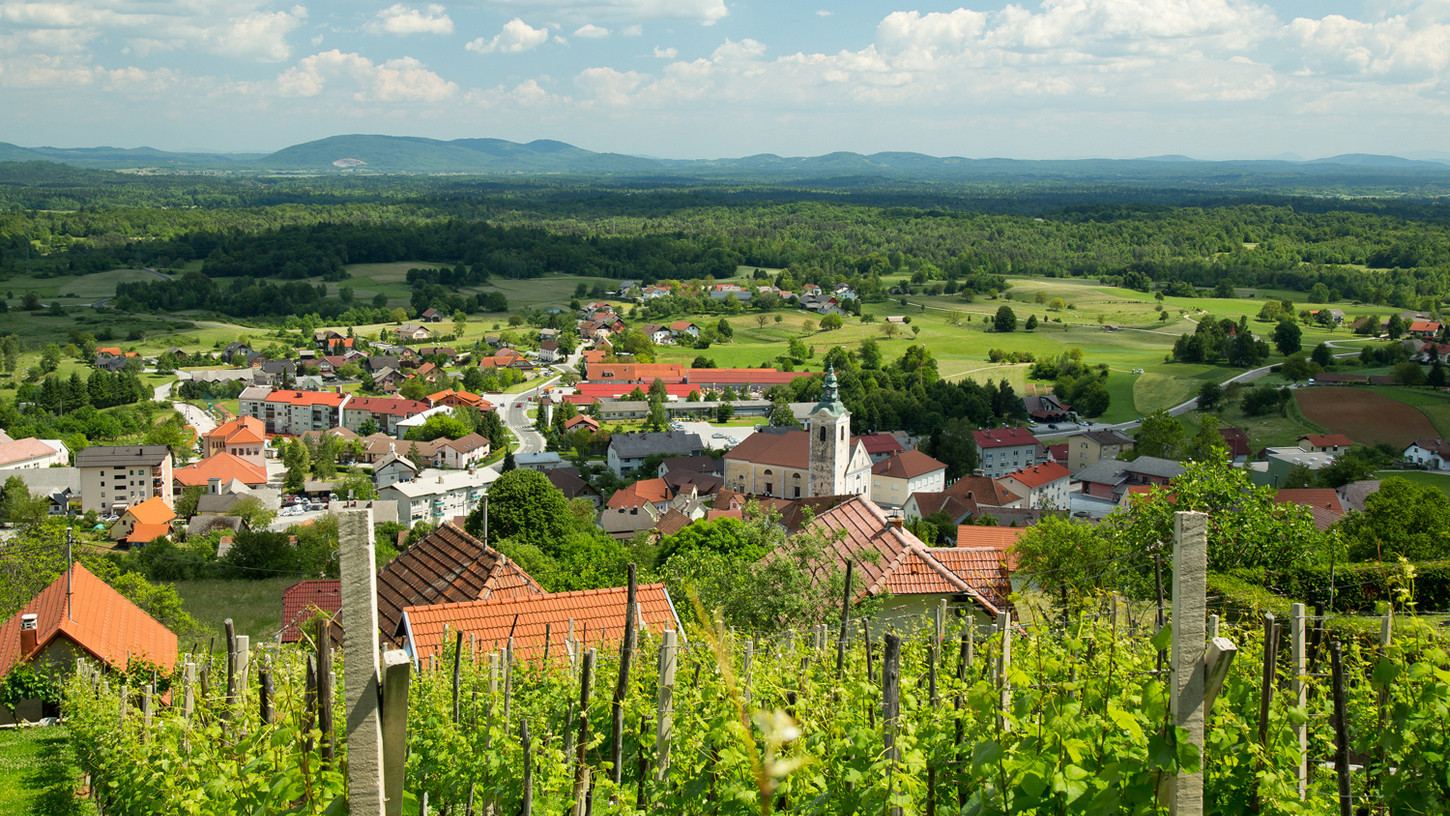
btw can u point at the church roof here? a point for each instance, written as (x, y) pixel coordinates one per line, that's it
(830, 397)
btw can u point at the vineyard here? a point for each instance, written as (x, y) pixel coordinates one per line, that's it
(937, 717)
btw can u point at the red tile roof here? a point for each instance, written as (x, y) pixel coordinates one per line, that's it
(790, 449)
(858, 531)
(1003, 438)
(224, 466)
(636, 372)
(101, 622)
(975, 536)
(154, 510)
(303, 600)
(982, 490)
(645, 491)
(327, 398)
(388, 406)
(598, 616)
(907, 465)
(985, 568)
(878, 443)
(447, 565)
(1328, 440)
(1424, 326)
(23, 449)
(243, 430)
(1322, 497)
(1039, 475)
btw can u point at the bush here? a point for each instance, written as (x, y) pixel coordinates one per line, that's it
(1362, 587)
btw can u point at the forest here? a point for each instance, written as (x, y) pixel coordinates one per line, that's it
(281, 242)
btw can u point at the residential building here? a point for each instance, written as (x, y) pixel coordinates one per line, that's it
(1047, 408)
(1003, 450)
(1110, 479)
(640, 493)
(31, 453)
(1431, 454)
(625, 523)
(895, 478)
(412, 331)
(537, 624)
(114, 477)
(1323, 503)
(1424, 329)
(914, 579)
(628, 451)
(1236, 440)
(143, 523)
(385, 412)
(220, 468)
(60, 485)
(431, 316)
(1280, 462)
(446, 566)
(392, 468)
(293, 412)
(1325, 443)
(1094, 446)
(78, 615)
(438, 495)
(879, 446)
(244, 437)
(1040, 486)
(922, 504)
(568, 482)
(462, 453)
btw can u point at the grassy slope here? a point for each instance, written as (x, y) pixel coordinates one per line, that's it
(255, 607)
(1439, 481)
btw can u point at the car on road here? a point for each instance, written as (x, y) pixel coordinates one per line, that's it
(717, 436)
(1051, 427)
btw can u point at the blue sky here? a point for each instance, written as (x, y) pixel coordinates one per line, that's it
(717, 78)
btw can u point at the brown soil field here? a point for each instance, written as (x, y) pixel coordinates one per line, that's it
(1364, 416)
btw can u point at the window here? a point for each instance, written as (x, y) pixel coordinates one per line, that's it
(823, 433)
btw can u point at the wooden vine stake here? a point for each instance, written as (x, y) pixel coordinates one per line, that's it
(626, 653)
(1341, 728)
(397, 670)
(526, 806)
(845, 622)
(1266, 692)
(665, 719)
(325, 691)
(891, 706)
(1298, 688)
(581, 771)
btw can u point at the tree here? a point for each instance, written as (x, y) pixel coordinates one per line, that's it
(1159, 435)
(50, 357)
(1005, 321)
(508, 461)
(439, 425)
(1400, 519)
(1297, 368)
(723, 330)
(1031, 322)
(1322, 355)
(1210, 394)
(796, 350)
(20, 508)
(1064, 559)
(1286, 337)
(724, 411)
(299, 465)
(1408, 373)
(1437, 377)
(1057, 304)
(831, 322)
(1260, 400)
(1092, 400)
(522, 505)
(954, 446)
(1396, 327)
(355, 486)
(460, 322)
(1269, 312)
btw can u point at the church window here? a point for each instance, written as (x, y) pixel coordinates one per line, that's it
(823, 433)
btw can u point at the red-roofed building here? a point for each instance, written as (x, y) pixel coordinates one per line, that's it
(79, 615)
(293, 412)
(597, 617)
(880, 445)
(224, 467)
(1040, 486)
(244, 437)
(994, 539)
(304, 601)
(459, 398)
(645, 491)
(581, 421)
(717, 379)
(1323, 503)
(144, 522)
(385, 412)
(1237, 442)
(1003, 450)
(896, 477)
(645, 373)
(890, 561)
(1424, 329)
(1325, 443)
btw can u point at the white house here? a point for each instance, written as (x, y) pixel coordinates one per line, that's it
(896, 477)
(28, 453)
(1431, 454)
(437, 496)
(1041, 486)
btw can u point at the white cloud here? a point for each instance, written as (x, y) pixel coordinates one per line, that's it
(261, 36)
(398, 80)
(591, 31)
(666, 53)
(403, 20)
(516, 37)
(246, 29)
(610, 86)
(1394, 48)
(824, 12)
(704, 12)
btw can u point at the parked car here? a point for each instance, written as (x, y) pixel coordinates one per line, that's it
(1051, 427)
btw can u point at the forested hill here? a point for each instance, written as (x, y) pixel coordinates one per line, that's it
(359, 154)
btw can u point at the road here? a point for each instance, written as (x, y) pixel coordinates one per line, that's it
(516, 417)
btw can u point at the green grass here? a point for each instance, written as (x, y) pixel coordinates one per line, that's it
(1168, 384)
(255, 607)
(1270, 430)
(41, 774)
(1440, 481)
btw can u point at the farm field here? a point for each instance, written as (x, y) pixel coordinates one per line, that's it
(1363, 415)
(1435, 406)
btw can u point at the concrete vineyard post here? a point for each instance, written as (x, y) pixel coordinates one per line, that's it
(360, 664)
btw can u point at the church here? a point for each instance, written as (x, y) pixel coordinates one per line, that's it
(822, 460)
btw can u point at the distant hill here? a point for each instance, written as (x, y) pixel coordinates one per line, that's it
(370, 154)
(412, 154)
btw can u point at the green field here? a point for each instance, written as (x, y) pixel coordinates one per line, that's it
(41, 774)
(255, 607)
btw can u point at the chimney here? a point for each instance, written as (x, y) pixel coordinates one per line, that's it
(895, 522)
(214, 485)
(27, 633)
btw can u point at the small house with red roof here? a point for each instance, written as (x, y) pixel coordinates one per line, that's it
(244, 437)
(219, 469)
(896, 477)
(144, 522)
(79, 616)
(306, 600)
(1423, 329)
(1325, 443)
(1040, 486)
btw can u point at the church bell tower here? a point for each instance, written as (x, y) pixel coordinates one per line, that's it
(829, 426)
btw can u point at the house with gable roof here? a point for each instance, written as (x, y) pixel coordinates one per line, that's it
(79, 615)
(1003, 450)
(143, 523)
(244, 437)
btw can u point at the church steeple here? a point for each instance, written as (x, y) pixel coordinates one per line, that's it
(829, 426)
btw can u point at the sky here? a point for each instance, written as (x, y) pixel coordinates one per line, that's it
(1211, 79)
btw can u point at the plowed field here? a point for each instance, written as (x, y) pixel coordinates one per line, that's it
(1364, 416)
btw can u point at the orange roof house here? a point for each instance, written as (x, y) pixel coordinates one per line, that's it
(597, 615)
(224, 466)
(144, 522)
(459, 398)
(90, 619)
(305, 599)
(244, 436)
